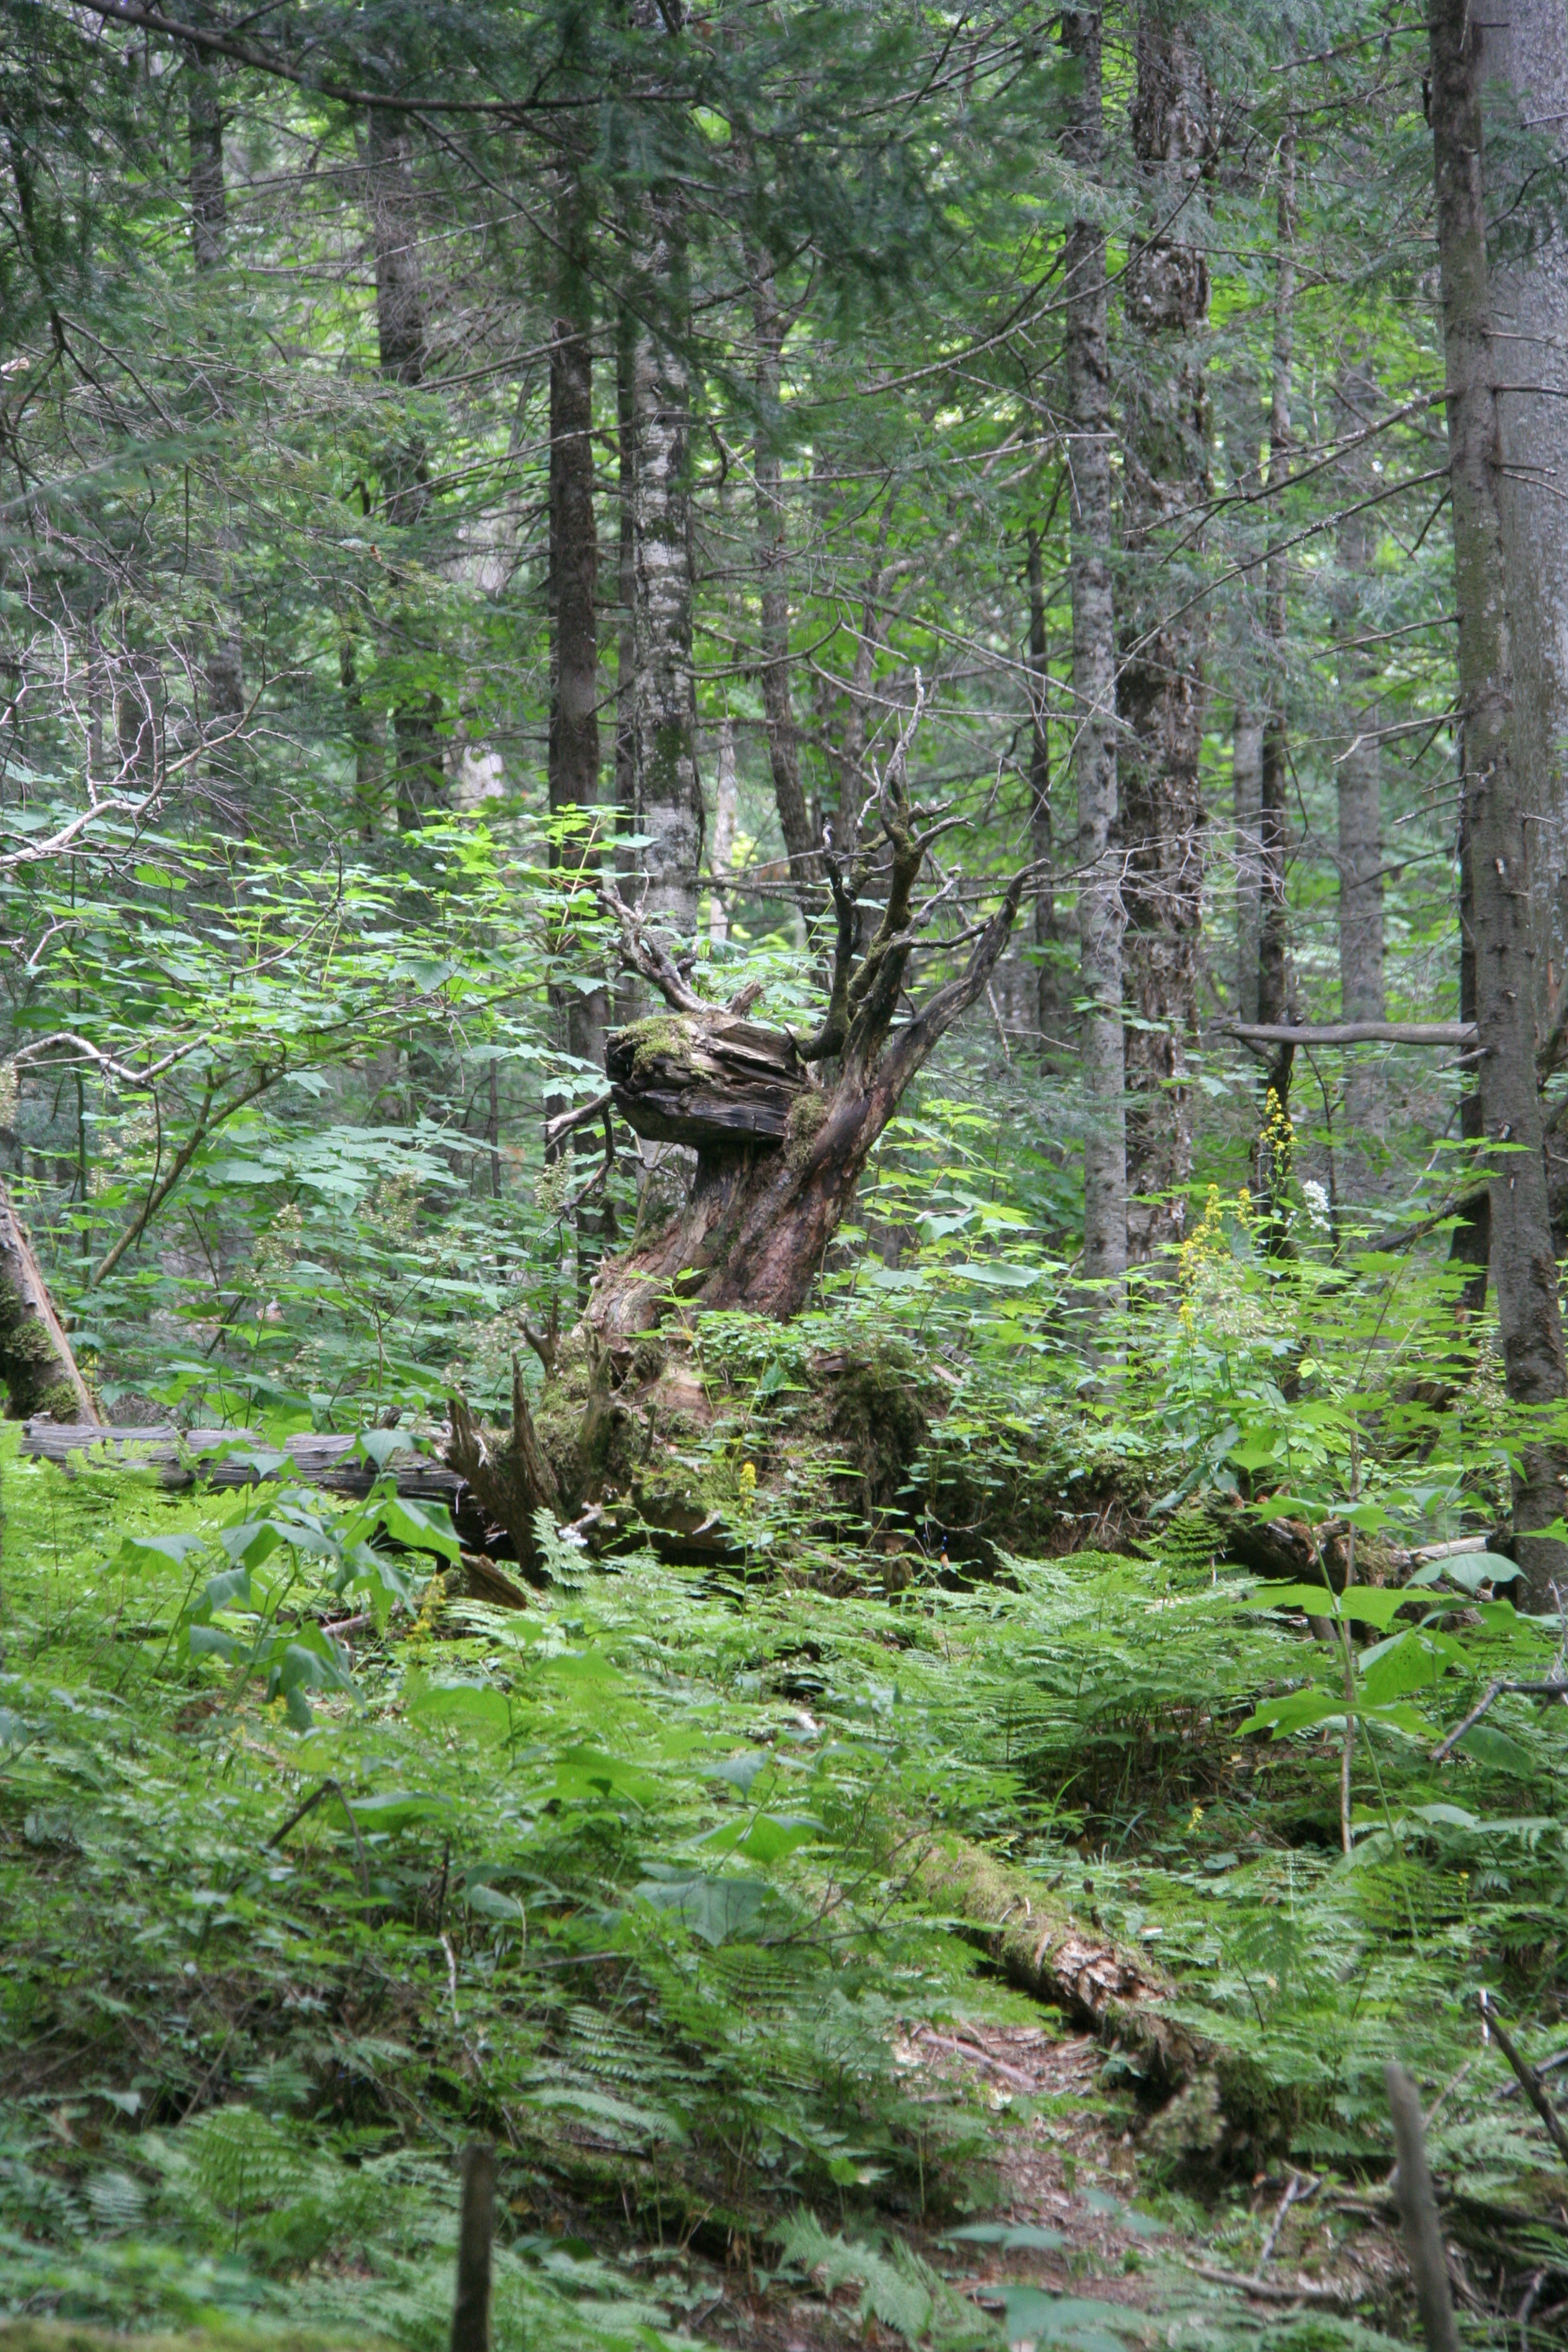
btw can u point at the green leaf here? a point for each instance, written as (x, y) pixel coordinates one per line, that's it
(1067, 2323)
(1490, 1746)
(714, 1909)
(491, 1903)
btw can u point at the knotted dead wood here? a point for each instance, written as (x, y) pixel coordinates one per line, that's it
(509, 1480)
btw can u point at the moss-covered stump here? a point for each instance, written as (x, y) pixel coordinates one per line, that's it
(696, 1434)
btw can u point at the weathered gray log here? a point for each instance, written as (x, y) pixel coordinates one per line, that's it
(1352, 1032)
(705, 1082)
(181, 1456)
(36, 1363)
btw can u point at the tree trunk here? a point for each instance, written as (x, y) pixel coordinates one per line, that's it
(778, 1153)
(1099, 915)
(625, 1002)
(794, 818)
(669, 797)
(1160, 694)
(573, 598)
(37, 1365)
(419, 778)
(1359, 778)
(1246, 801)
(1274, 770)
(1524, 1272)
(222, 670)
(1049, 1009)
(1525, 47)
(724, 834)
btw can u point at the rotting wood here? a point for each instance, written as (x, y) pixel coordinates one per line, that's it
(40, 1373)
(510, 1482)
(230, 1458)
(1045, 1952)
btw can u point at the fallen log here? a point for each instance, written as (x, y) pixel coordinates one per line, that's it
(232, 1458)
(1217, 2105)
(1043, 1950)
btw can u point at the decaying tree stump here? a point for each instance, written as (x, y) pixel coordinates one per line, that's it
(510, 1480)
(40, 1373)
(782, 1126)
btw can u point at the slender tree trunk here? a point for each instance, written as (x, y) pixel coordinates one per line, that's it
(669, 795)
(1160, 695)
(626, 997)
(1523, 1270)
(1274, 993)
(1357, 773)
(420, 779)
(724, 834)
(222, 667)
(1525, 48)
(1246, 801)
(794, 818)
(209, 200)
(1049, 1009)
(1099, 912)
(360, 726)
(574, 732)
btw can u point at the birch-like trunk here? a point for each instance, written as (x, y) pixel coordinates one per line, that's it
(1523, 1266)
(794, 818)
(1166, 445)
(1525, 47)
(1094, 695)
(669, 797)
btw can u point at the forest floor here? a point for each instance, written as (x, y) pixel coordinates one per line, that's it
(625, 1881)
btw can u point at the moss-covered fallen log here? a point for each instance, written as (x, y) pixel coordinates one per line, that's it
(1223, 2107)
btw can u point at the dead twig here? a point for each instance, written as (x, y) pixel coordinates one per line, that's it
(1529, 2081)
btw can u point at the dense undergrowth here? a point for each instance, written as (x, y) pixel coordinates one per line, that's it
(628, 1880)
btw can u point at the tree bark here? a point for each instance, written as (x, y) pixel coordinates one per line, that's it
(724, 834)
(794, 818)
(37, 1365)
(1358, 774)
(778, 1155)
(1525, 48)
(1049, 1009)
(419, 778)
(1160, 695)
(1099, 910)
(1247, 804)
(573, 598)
(1271, 1158)
(1523, 1268)
(222, 660)
(669, 797)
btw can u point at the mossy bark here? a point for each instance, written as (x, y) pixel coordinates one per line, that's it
(40, 1373)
